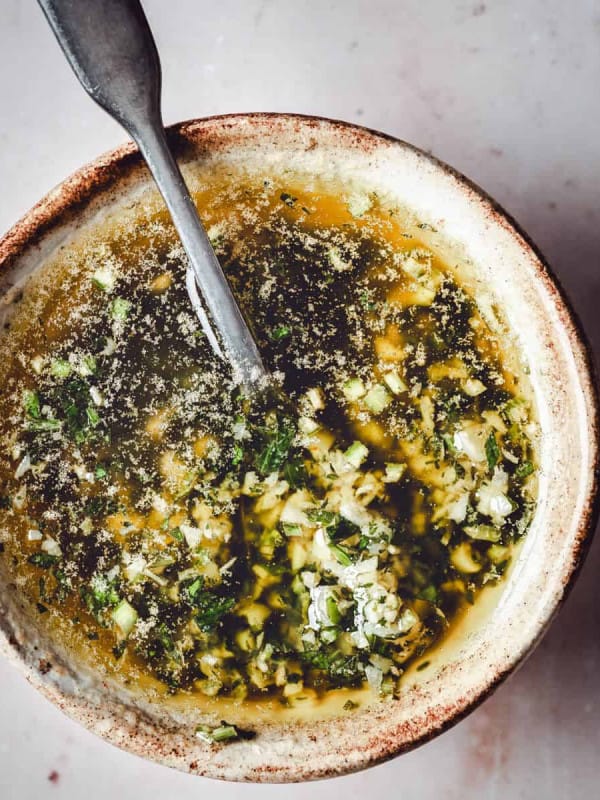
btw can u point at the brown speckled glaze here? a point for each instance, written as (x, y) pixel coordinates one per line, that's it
(505, 267)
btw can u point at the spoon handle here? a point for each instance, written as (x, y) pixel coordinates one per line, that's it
(110, 47)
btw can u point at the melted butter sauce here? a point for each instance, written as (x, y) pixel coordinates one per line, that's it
(338, 290)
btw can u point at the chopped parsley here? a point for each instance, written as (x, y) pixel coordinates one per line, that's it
(222, 733)
(278, 441)
(43, 560)
(524, 469)
(280, 332)
(492, 451)
(210, 608)
(31, 404)
(272, 549)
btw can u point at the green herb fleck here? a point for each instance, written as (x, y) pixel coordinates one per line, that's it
(43, 560)
(366, 301)
(100, 595)
(238, 454)
(60, 368)
(275, 451)
(524, 469)
(41, 425)
(294, 472)
(342, 554)
(224, 733)
(120, 308)
(333, 611)
(194, 588)
(210, 608)
(31, 404)
(327, 519)
(99, 506)
(73, 399)
(89, 365)
(280, 332)
(92, 416)
(291, 528)
(343, 670)
(492, 451)
(429, 593)
(176, 534)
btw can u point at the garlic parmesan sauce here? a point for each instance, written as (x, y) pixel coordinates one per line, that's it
(186, 540)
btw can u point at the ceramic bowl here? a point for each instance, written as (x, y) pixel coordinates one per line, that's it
(508, 275)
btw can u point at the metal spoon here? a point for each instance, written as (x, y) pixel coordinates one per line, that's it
(110, 47)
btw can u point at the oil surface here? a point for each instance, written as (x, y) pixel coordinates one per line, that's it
(186, 540)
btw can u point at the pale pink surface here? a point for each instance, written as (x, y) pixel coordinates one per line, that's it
(506, 94)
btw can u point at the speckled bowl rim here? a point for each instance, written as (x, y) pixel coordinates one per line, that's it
(64, 203)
